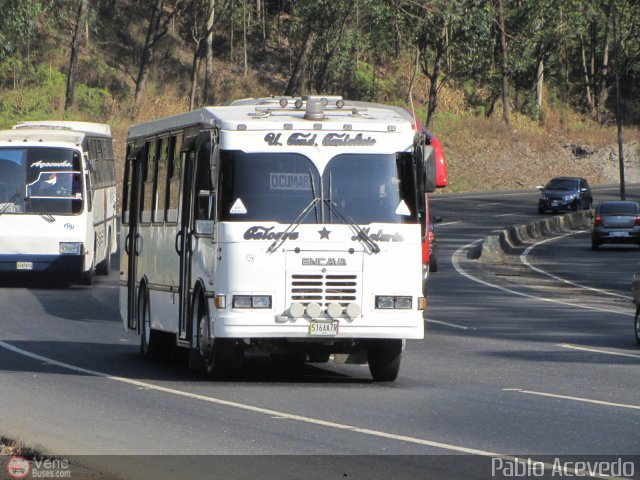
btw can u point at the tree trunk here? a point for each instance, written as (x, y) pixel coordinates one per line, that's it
(505, 63)
(604, 72)
(540, 83)
(147, 52)
(244, 37)
(414, 76)
(433, 93)
(195, 67)
(323, 71)
(231, 32)
(587, 80)
(208, 96)
(295, 82)
(75, 50)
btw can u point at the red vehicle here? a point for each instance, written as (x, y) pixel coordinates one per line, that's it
(441, 182)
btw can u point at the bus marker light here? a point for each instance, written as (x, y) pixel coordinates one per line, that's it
(220, 301)
(422, 303)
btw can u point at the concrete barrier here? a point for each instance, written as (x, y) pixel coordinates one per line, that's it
(509, 240)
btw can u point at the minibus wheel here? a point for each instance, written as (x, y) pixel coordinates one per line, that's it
(384, 359)
(219, 354)
(104, 267)
(86, 278)
(149, 347)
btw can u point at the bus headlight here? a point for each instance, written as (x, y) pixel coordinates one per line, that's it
(70, 248)
(252, 301)
(384, 302)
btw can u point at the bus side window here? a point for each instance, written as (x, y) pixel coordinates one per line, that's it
(148, 171)
(126, 187)
(161, 180)
(174, 174)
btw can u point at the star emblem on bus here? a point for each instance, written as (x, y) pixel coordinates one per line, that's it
(324, 233)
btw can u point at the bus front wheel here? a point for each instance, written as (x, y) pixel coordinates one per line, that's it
(219, 354)
(104, 267)
(149, 341)
(384, 359)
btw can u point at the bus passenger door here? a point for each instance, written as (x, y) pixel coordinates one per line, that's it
(196, 197)
(184, 241)
(129, 238)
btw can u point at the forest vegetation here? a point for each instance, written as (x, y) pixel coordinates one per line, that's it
(516, 89)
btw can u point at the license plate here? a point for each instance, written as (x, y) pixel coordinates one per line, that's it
(618, 234)
(554, 204)
(323, 329)
(24, 265)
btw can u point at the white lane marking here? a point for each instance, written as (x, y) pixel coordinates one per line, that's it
(251, 408)
(274, 414)
(452, 325)
(597, 350)
(448, 223)
(575, 399)
(487, 204)
(523, 259)
(461, 271)
(509, 214)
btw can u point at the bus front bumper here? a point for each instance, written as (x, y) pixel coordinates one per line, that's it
(42, 263)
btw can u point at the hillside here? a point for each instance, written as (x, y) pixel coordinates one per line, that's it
(257, 52)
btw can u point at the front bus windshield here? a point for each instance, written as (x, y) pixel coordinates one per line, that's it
(277, 187)
(40, 180)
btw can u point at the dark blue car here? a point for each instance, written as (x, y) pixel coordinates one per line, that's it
(565, 193)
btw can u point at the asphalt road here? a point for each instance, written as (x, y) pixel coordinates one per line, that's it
(509, 366)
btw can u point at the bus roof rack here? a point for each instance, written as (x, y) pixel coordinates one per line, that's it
(85, 127)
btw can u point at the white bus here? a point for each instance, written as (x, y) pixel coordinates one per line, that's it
(57, 199)
(291, 226)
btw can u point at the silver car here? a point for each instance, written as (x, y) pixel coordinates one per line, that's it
(616, 222)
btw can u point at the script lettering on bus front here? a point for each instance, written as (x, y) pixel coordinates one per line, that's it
(299, 139)
(273, 139)
(302, 140)
(41, 164)
(258, 232)
(345, 140)
(378, 237)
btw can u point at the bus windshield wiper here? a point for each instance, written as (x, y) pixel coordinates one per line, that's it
(10, 202)
(361, 235)
(293, 225)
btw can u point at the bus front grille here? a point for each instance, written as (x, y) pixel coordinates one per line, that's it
(324, 288)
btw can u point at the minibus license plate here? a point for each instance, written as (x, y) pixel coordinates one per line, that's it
(24, 265)
(323, 329)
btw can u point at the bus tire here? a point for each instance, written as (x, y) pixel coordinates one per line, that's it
(149, 338)
(86, 278)
(384, 359)
(219, 354)
(319, 357)
(104, 267)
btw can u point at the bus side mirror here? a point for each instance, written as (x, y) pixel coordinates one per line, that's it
(428, 177)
